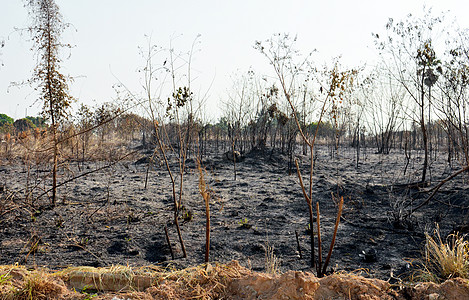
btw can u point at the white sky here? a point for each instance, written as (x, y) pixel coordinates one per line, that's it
(106, 35)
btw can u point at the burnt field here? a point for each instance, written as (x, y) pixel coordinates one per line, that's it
(109, 217)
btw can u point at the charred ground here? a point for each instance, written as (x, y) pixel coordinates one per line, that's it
(108, 217)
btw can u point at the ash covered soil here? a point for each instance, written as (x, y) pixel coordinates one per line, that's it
(109, 218)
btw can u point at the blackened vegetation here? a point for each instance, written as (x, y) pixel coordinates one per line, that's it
(110, 218)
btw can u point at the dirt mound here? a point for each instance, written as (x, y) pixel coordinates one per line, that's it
(304, 285)
(456, 288)
(230, 281)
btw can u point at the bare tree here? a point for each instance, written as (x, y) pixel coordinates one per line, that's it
(236, 111)
(83, 120)
(383, 109)
(453, 107)
(411, 60)
(46, 29)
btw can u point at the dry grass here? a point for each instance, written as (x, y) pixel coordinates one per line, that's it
(445, 259)
(36, 150)
(16, 283)
(272, 262)
(201, 282)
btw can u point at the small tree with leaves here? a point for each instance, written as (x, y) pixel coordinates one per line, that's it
(46, 29)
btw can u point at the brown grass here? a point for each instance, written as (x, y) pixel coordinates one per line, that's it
(202, 282)
(445, 259)
(17, 283)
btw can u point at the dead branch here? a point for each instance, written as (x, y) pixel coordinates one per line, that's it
(437, 187)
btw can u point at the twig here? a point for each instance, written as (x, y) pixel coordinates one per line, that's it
(308, 200)
(168, 241)
(337, 221)
(92, 214)
(319, 241)
(298, 244)
(77, 244)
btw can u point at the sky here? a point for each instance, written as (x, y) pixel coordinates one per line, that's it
(106, 36)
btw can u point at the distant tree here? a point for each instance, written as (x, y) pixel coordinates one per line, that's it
(222, 124)
(102, 117)
(130, 123)
(220, 130)
(7, 128)
(84, 122)
(23, 124)
(37, 121)
(4, 119)
(454, 107)
(6, 124)
(324, 130)
(383, 108)
(46, 29)
(236, 112)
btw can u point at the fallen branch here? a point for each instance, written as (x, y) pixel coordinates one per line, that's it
(437, 187)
